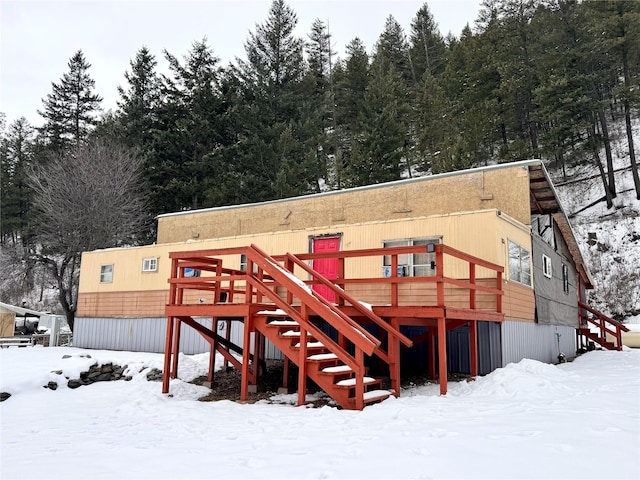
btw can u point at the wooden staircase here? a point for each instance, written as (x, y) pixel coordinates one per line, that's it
(608, 332)
(335, 366)
(338, 379)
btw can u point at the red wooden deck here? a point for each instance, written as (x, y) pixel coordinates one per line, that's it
(272, 302)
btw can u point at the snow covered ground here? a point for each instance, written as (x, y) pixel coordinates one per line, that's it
(528, 420)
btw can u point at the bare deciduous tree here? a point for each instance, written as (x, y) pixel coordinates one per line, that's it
(87, 198)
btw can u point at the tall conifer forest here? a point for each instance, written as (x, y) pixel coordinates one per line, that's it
(530, 79)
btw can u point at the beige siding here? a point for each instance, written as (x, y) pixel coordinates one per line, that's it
(505, 188)
(518, 303)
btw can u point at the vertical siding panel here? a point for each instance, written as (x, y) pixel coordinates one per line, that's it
(539, 342)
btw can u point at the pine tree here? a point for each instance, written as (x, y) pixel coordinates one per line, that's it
(392, 49)
(272, 152)
(187, 130)
(70, 110)
(16, 157)
(428, 50)
(140, 99)
(379, 152)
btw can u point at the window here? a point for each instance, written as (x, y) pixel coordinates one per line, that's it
(106, 273)
(565, 278)
(411, 265)
(243, 264)
(519, 264)
(150, 264)
(546, 266)
(191, 272)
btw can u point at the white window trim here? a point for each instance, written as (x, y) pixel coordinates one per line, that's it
(148, 263)
(104, 272)
(408, 269)
(546, 266)
(520, 271)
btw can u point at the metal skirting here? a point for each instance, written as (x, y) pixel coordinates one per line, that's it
(149, 334)
(538, 342)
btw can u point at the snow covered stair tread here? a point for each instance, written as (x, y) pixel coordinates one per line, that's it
(350, 382)
(322, 356)
(337, 369)
(283, 323)
(374, 395)
(311, 345)
(293, 333)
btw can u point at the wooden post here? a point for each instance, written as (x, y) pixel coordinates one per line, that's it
(246, 347)
(302, 367)
(473, 347)
(214, 347)
(440, 275)
(341, 276)
(432, 353)
(394, 284)
(168, 347)
(472, 281)
(394, 358)
(442, 354)
(176, 348)
(285, 373)
(360, 379)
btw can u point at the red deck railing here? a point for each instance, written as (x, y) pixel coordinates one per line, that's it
(605, 325)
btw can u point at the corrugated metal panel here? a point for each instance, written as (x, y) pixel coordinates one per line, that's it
(539, 342)
(148, 335)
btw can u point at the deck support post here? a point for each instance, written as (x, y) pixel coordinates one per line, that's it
(473, 347)
(302, 368)
(285, 373)
(176, 348)
(442, 354)
(214, 347)
(167, 355)
(246, 351)
(432, 352)
(394, 358)
(360, 379)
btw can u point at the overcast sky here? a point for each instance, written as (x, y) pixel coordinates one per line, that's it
(37, 38)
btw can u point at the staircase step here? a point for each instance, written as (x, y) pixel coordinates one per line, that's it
(283, 323)
(319, 357)
(311, 345)
(377, 395)
(293, 333)
(337, 369)
(351, 382)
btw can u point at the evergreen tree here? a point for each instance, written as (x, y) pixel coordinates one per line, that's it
(379, 152)
(16, 152)
(428, 49)
(392, 49)
(140, 99)
(70, 110)
(274, 153)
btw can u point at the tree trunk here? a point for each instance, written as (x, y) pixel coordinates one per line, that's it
(607, 148)
(607, 193)
(627, 117)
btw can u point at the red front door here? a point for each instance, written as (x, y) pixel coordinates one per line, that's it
(327, 267)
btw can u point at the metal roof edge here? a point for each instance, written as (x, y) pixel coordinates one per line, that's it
(522, 163)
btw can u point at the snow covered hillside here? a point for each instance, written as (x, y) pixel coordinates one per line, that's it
(577, 420)
(610, 238)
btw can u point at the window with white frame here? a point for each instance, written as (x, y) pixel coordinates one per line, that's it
(243, 264)
(411, 265)
(546, 266)
(106, 273)
(565, 278)
(519, 264)
(150, 264)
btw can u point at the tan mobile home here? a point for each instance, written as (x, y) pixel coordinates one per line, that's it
(507, 216)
